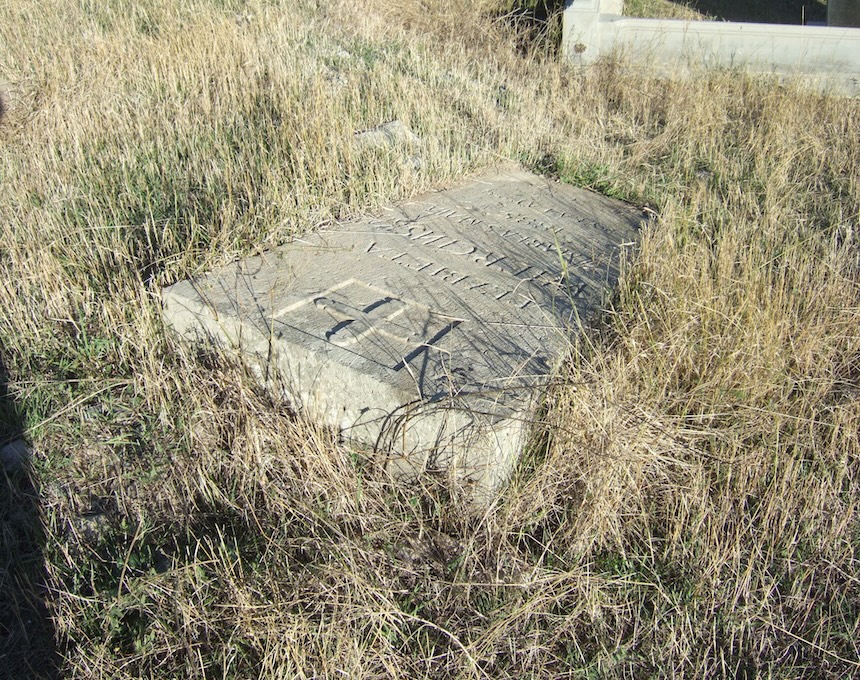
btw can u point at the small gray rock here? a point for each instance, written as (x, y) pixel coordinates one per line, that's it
(91, 527)
(387, 134)
(14, 455)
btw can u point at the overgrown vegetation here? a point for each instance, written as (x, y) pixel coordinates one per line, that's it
(693, 510)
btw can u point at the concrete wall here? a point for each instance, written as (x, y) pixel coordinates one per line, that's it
(825, 56)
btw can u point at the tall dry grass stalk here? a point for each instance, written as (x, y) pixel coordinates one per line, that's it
(689, 504)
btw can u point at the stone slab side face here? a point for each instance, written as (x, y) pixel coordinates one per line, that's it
(427, 331)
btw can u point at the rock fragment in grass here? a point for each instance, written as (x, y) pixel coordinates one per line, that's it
(392, 135)
(427, 331)
(15, 455)
(387, 134)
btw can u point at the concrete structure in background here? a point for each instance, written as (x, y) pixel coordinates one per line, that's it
(826, 57)
(843, 13)
(426, 332)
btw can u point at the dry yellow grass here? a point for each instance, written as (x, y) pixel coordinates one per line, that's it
(689, 505)
(660, 9)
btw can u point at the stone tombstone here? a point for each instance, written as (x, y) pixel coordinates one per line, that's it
(426, 331)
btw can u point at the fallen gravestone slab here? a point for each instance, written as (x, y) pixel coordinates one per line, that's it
(427, 331)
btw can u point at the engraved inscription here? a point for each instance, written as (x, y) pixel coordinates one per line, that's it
(353, 324)
(371, 322)
(564, 284)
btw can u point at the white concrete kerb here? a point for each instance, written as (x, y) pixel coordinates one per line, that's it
(826, 57)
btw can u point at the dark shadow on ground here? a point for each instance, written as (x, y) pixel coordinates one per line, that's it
(27, 641)
(760, 11)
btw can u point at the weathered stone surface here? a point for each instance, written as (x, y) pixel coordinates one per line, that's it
(426, 331)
